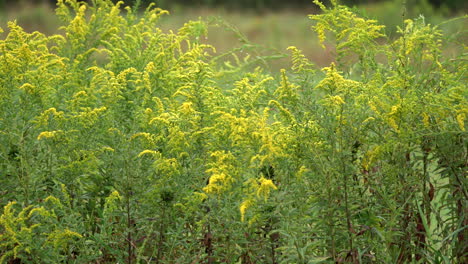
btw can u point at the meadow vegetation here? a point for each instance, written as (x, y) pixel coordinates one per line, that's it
(121, 142)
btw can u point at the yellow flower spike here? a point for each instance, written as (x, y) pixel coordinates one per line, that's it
(150, 67)
(302, 170)
(29, 88)
(337, 100)
(144, 135)
(200, 197)
(243, 208)
(287, 90)
(53, 200)
(300, 64)
(394, 110)
(266, 186)
(82, 9)
(148, 152)
(391, 121)
(367, 120)
(425, 120)
(111, 203)
(60, 238)
(148, 111)
(48, 134)
(374, 107)
(108, 149)
(461, 121)
(79, 94)
(65, 194)
(216, 183)
(187, 108)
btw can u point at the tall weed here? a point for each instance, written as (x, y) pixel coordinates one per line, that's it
(136, 145)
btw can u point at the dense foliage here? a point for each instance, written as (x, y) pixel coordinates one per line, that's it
(121, 143)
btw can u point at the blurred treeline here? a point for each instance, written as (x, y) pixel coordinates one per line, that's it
(452, 5)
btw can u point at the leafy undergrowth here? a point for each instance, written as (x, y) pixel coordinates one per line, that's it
(121, 143)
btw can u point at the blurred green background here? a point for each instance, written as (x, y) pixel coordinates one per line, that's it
(273, 24)
(259, 4)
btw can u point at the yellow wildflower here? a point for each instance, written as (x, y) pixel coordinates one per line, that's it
(149, 152)
(337, 100)
(374, 107)
(80, 93)
(60, 238)
(216, 183)
(47, 134)
(394, 110)
(27, 87)
(302, 170)
(393, 124)
(106, 148)
(150, 67)
(265, 187)
(461, 120)
(243, 208)
(187, 108)
(367, 120)
(425, 119)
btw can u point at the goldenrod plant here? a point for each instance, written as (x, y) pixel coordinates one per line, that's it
(124, 143)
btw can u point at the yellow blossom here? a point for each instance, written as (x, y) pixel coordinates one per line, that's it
(302, 171)
(374, 107)
(48, 134)
(150, 67)
(149, 152)
(217, 183)
(337, 100)
(394, 110)
(108, 149)
(187, 108)
(461, 120)
(370, 157)
(148, 111)
(243, 208)
(27, 87)
(80, 93)
(266, 186)
(425, 119)
(393, 124)
(367, 120)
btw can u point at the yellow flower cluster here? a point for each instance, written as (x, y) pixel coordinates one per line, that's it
(48, 134)
(259, 191)
(221, 173)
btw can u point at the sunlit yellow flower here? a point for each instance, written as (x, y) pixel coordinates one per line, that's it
(367, 120)
(216, 183)
(27, 87)
(48, 134)
(266, 186)
(150, 67)
(108, 149)
(337, 100)
(187, 108)
(149, 152)
(243, 208)
(80, 93)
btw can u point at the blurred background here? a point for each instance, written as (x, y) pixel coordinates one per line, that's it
(273, 24)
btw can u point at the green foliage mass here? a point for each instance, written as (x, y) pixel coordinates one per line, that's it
(121, 143)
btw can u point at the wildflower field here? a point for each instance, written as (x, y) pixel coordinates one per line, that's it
(124, 143)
